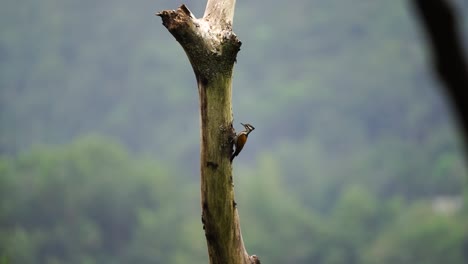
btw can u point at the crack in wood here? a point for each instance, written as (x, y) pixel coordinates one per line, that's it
(212, 164)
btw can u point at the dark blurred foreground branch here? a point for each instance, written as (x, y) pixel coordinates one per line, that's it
(440, 22)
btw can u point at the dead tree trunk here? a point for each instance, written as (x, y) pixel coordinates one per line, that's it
(211, 48)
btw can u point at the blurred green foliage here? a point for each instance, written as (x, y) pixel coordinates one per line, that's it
(91, 202)
(355, 159)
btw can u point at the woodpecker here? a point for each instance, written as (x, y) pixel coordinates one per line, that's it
(240, 139)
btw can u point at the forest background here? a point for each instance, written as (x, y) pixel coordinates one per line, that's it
(356, 157)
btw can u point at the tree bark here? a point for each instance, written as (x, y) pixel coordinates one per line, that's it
(212, 48)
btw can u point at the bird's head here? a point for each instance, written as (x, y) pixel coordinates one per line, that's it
(248, 127)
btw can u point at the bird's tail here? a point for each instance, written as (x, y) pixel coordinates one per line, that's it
(233, 156)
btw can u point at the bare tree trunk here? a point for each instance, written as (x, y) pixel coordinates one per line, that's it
(212, 47)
